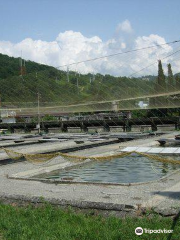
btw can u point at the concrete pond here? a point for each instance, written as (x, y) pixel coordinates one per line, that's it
(121, 186)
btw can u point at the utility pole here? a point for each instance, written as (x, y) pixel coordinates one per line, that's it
(39, 119)
(67, 74)
(77, 84)
(1, 107)
(20, 62)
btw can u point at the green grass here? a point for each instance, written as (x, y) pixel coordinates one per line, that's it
(50, 223)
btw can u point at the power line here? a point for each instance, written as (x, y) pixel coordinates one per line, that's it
(99, 102)
(132, 98)
(119, 53)
(153, 63)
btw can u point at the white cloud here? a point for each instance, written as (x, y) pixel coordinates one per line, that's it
(70, 47)
(125, 27)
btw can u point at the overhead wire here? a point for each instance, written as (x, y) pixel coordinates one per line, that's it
(131, 98)
(119, 53)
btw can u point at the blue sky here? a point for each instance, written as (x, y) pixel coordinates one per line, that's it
(46, 18)
(58, 32)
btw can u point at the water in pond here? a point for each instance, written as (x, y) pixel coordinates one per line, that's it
(123, 170)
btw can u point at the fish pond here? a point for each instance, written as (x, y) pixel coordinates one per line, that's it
(130, 169)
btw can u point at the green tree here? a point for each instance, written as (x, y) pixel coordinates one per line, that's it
(161, 79)
(170, 79)
(160, 87)
(177, 82)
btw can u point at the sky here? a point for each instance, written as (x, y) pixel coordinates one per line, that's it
(61, 32)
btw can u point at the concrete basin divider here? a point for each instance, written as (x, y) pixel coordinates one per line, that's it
(65, 149)
(72, 203)
(120, 199)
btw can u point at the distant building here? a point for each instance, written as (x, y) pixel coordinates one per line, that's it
(8, 116)
(146, 79)
(115, 106)
(143, 104)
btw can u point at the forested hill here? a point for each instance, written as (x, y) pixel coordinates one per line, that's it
(10, 66)
(53, 84)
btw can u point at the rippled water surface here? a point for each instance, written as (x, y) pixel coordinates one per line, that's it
(122, 170)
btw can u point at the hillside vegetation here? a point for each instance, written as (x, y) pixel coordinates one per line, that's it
(53, 86)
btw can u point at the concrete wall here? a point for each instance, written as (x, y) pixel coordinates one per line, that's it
(94, 129)
(140, 128)
(168, 127)
(9, 120)
(74, 130)
(18, 130)
(54, 130)
(116, 129)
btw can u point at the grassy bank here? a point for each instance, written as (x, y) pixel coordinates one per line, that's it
(50, 223)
